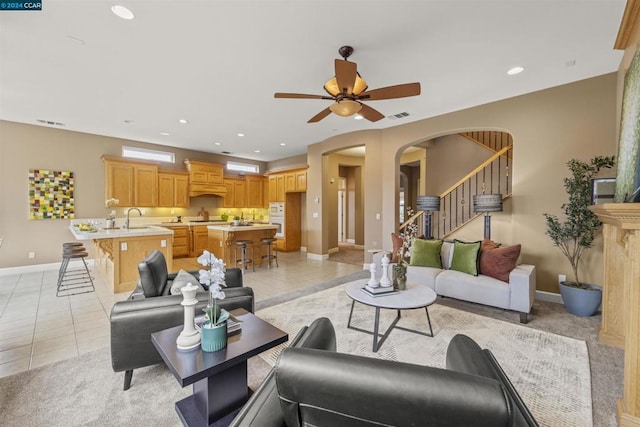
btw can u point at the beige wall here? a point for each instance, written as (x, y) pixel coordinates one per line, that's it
(450, 158)
(24, 147)
(549, 127)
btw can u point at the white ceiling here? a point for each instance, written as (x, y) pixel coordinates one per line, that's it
(218, 63)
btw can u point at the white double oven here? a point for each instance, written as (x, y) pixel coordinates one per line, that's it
(276, 217)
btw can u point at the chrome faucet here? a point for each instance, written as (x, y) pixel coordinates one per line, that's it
(126, 224)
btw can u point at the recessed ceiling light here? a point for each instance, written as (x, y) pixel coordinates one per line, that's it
(256, 151)
(515, 70)
(122, 12)
(217, 143)
(183, 121)
(240, 134)
(129, 121)
(358, 117)
(283, 144)
(164, 133)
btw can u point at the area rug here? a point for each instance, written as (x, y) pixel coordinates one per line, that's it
(550, 372)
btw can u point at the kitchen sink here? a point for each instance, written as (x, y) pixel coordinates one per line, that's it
(136, 228)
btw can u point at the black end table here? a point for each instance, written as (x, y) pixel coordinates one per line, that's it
(219, 378)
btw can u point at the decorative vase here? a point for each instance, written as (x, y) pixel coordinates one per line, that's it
(213, 338)
(581, 302)
(399, 277)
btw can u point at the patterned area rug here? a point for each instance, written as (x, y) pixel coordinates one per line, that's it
(550, 372)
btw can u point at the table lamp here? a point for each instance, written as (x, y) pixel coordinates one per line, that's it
(487, 203)
(428, 204)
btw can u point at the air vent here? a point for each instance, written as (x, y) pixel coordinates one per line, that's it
(49, 122)
(398, 116)
(226, 152)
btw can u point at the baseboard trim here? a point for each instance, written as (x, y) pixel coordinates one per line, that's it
(318, 257)
(303, 249)
(333, 250)
(549, 296)
(35, 268)
(351, 241)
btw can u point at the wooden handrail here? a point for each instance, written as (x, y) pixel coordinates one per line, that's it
(410, 220)
(476, 170)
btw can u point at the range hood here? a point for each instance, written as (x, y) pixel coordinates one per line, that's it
(196, 190)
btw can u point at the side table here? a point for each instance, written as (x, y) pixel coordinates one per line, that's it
(219, 378)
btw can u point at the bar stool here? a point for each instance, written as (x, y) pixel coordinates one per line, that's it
(270, 243)
(243, 245)
(70, 281)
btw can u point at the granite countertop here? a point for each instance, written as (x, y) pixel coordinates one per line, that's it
(101, 233)
(242, 227)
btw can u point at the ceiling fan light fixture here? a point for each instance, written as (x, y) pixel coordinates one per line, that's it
(332, 86)
(345, 107)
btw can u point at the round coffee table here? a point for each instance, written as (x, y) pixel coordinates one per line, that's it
(415, 296)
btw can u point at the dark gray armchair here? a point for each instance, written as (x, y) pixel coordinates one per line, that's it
(150, 309)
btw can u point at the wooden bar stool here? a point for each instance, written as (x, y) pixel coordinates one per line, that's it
(76, 281)
(243, 245)
(272, 250)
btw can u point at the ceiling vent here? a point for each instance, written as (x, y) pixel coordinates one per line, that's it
(49, 122)
(226, 152)
(398, 116)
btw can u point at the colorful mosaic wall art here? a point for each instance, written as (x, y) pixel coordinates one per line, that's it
(51, 194)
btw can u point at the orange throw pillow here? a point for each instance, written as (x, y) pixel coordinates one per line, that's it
(497, 262)
(397, 245)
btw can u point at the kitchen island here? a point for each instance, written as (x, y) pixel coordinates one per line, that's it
(117, 252)
(223, 238)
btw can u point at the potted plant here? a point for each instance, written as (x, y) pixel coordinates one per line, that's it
(214, 329)
(576, 233)
(236, 220)
(400, 269)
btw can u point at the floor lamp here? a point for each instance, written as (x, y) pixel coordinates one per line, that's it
(428, 204)
(487, 203)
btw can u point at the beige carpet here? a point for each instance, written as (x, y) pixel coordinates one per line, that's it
(551, 372)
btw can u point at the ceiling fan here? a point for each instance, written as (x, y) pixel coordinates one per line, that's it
(348, 89)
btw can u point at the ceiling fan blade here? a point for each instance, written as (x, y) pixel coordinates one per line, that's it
(346, 75)
(299, 96)
(370, 114)
(321, 115)
(391, 92)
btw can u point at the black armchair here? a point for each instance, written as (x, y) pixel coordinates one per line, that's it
(313, 385)
(150, 308)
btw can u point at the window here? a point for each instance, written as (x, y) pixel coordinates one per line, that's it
(146, 154)
(242, 167)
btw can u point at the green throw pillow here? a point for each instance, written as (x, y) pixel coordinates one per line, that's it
(426, 253)
(465, 257)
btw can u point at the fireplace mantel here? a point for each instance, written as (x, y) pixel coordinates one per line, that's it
(621, 298)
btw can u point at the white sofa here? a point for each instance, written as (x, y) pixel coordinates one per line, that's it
(517, 295)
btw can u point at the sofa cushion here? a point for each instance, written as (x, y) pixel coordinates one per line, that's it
(182, 279)
(480, 289)
(397, 242)
(497, 262)
(425, 276)
(465, 257)
(426, 253)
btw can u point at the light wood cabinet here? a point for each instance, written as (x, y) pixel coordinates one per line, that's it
(265, 193)
(276, 188)
(291, 181)
(132, 183)
(173, 189)
(181, 246)
(119, 182)
(205, 173)
(235, 196)
(199, 239)
(254, 191)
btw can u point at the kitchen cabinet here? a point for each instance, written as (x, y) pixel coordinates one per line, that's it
(181, 246)
(276, 188)
(235, 196)
(132, 183)
(173, 189)
(265, 193)
(254, 191)
(205, 173)
(199, 239)
(205, 178)
(296, 181)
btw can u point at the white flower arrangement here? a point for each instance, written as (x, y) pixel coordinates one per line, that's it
(214, 279)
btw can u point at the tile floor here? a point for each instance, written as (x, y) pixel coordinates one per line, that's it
(38, 328)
